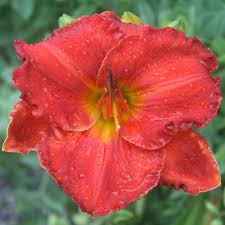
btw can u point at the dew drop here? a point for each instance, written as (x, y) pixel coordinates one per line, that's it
(57, 133)
(170, 126)
(81, 175)
(182, 125)
(115, 193)
(122, 204)
(161, 141)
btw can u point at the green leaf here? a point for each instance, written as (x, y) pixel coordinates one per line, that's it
(221, 59)
(23, 7)
(216, 222)
(54, 219)
(140, 206)
(192, 214)
(84, 9)
(65, 20)
(218, 45)
(212, 208)
(129, 17)
(180, 23)
(1, 64)
(5, 74)
(30, 161)
(146, 12)
(223, 196)
(213, 24)
(220, 157)
(3, 2)
(80, 218)
(122, 216)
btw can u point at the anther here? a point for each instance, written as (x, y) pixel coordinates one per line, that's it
(109, 81)
(112, 101)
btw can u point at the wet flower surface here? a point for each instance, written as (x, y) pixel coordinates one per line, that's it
(110, 106)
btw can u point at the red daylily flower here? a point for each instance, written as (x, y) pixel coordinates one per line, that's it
(110, 106)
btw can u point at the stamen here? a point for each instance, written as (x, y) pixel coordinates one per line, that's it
(123, 103)
(115, 116)
(109, 110)
(109, 87)
(109, 81)
(119, 110)
(112, 102)
(101, 100)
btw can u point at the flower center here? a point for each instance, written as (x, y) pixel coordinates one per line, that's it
(111, 102)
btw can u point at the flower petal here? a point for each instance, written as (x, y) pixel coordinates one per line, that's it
(111, 15)
(169, 76)
(190, 164)
(24, 130)
(128, 28)
(100, 176)
(59, 73)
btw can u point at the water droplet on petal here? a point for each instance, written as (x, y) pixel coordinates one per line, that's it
(170, 126)
(115, 193)
(57, 133)
(122, 204)
(81, 175)
(182, 125)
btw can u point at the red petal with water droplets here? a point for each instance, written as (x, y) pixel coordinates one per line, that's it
(24, 130)
(169, 76)
(100, 177)
(111, 15)
(128, 28)
(59, 73)
(190, 164)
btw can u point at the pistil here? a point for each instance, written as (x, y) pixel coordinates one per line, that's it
(112, 102)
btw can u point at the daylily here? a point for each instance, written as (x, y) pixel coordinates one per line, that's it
(109, 107)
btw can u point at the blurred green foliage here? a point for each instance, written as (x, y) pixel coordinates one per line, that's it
(27, 195)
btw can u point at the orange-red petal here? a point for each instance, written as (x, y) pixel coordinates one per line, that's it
(59, 73)
(24, 130)
(190, 164)
(100, 176)
(128, 28)
(169, 76)
(111, 15)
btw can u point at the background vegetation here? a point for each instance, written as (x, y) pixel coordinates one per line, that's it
(27, 195)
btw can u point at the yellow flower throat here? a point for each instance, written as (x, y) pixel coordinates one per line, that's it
(111, 102)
